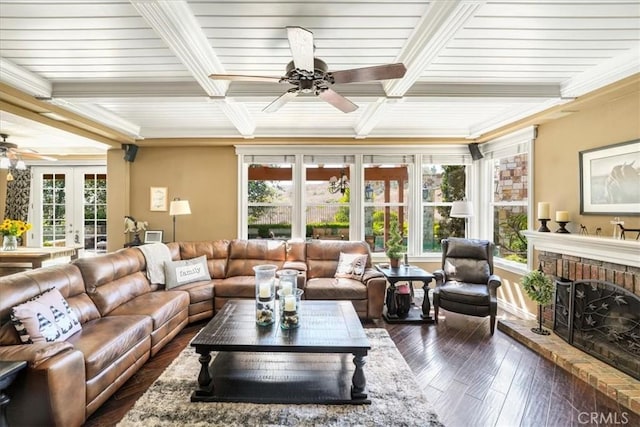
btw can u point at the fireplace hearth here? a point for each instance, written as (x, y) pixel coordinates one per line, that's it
(601, 319)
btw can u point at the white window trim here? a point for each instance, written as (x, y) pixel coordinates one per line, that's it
(419, 152)
(518, 142)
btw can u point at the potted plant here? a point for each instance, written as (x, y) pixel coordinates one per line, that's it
(539, 287)
(394, 246)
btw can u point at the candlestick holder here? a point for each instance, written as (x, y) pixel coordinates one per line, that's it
(290, 309)
(562, 228)
(543, 225)
(265, 294)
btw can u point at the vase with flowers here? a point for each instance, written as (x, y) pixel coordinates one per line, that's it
(11, 229)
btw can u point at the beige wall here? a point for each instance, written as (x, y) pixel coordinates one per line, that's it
(556, 170)
(205, 176)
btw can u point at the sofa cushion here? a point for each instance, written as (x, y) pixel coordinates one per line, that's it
(104, 340)
(335, 289)
(246, 254)
(351, 266)
(45, 318)
(160, 306)
(236, 287)
(186, 271)
(323, 255)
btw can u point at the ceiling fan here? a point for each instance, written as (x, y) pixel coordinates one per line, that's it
(310, 75)
(10, 151)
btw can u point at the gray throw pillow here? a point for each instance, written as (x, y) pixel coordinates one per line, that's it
(179, 273)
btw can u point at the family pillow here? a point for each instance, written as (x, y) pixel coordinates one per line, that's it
(178, 273)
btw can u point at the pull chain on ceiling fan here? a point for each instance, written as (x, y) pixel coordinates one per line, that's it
(309, 74)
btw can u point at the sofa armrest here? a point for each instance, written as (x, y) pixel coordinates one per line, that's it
(33, 354)
(370, 273)
(52, 390)
(376, 289)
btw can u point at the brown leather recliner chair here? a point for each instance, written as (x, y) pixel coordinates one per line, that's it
(466, 283)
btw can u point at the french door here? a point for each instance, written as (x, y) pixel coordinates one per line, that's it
(70, 207)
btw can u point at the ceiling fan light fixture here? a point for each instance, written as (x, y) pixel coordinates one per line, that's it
(21, 165)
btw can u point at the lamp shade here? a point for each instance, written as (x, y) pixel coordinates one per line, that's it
(179, 207)
(461, 209)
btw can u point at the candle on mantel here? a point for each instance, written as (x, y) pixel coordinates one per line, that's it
(290, 303)
(543, 210)
(265, 290)
(562, 216)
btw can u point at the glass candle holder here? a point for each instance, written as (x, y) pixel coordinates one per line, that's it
(265, 293)
(288, 281)
(290, 309)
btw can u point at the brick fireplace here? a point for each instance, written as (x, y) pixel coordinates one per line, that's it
(576, 258)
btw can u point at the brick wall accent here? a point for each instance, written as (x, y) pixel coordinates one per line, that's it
(577, 268)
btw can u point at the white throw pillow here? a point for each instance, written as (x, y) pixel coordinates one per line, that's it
(179, 273)
(46, 317)
(351, 266)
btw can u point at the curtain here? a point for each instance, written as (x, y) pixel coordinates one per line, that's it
(18, 192)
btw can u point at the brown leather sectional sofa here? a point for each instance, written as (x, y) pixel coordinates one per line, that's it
(126, 319)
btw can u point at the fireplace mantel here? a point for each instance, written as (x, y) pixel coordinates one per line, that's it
(623, 252)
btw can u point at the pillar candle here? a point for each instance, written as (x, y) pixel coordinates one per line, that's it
(286, 288)
(562, 216)
(290, 303)
(265, 290)
(543, 210)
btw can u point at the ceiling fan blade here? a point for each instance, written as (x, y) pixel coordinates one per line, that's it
(243, 78)
(337, 100)
(28, 155)
(280, 101)
(301, 44)
(365, 74)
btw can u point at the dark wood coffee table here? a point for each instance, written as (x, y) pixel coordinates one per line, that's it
(309, 364)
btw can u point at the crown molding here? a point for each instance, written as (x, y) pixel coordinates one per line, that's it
(23, 79)
(175, 23)
(604, 74)
(435, 29)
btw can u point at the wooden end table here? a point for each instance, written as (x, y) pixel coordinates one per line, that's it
(8, 373)
(406, 274)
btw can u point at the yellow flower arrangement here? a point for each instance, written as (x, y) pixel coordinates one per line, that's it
(14, 227)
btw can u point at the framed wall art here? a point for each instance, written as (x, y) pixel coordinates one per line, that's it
(610, 179)
(153, 236)
(158, 199)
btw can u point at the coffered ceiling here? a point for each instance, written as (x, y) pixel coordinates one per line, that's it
(141, 67)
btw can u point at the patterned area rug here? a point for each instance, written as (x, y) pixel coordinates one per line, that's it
(396, 398)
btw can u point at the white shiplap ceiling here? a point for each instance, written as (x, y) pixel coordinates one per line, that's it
(141, 66)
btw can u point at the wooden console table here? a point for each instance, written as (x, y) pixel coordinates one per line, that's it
(35, 256)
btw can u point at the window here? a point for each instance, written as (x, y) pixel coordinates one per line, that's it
(286, 193)
(386, 198)
(510, 204)
(506, 170)
(269, 199)
(441, 185)
(327, 210)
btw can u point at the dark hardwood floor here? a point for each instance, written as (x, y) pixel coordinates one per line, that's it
(471, 379)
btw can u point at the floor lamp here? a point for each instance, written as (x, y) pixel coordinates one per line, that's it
(178, 207)
(462, 209)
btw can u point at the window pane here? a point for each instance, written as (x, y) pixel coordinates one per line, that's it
(510, 179)
(270, 201)
(327, 211)
(508, 221)
(376, 225)
(437, 225)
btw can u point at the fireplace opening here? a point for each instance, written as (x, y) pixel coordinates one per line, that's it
(601, 319)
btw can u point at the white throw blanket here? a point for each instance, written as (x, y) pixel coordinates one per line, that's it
(156, 254)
